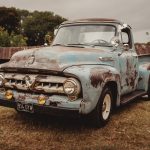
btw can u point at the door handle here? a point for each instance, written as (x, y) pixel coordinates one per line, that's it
(106, 59)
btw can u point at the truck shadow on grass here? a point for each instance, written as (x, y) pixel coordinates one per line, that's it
(73, 123)
(124, 131)
(131, 105)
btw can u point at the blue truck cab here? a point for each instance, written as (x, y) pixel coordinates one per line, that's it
(90, 69)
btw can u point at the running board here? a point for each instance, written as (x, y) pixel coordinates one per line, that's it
(127, 98)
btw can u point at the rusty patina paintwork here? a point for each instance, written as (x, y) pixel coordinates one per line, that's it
(30, 73)
(54, 58)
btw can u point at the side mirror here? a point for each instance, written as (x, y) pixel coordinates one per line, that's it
(121, 27)
(115, 41)
(55, 31)
(126, 47)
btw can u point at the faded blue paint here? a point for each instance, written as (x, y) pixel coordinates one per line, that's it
(92, 94)
(144, 72)
(58, 58)
(93, 67)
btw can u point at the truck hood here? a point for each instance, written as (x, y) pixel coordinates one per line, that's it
(57, 58)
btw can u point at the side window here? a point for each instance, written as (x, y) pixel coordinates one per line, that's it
(126, 37)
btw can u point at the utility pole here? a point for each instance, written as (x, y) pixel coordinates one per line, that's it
(148, 37)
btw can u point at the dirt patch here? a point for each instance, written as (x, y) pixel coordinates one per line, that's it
(129, 128)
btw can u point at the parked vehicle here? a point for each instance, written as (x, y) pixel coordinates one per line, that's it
(90, 69)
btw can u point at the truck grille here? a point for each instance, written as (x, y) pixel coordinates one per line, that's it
(36, 83)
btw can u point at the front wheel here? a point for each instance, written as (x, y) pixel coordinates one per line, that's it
(101, 114)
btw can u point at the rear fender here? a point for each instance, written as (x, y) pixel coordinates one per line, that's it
(144, 76)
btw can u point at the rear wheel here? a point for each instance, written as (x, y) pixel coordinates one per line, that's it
(101, 114)
(149, 90)
(149, 95)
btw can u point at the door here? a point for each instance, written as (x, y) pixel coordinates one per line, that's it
(128, 63)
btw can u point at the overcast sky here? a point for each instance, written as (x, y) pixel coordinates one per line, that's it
(134, 12)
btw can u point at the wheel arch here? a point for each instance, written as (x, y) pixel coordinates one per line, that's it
(93, 78)
(112, 85)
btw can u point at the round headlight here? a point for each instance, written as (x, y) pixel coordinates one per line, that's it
(72, 87)
(1, 79)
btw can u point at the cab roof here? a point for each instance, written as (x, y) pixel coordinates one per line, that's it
(93, 20)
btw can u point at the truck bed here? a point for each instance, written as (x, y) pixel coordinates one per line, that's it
(143, 51)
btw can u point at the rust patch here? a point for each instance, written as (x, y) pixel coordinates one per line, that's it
(127, 81)
(107, 75)
(98, 76)
(46, 60)
(128, 64)
(140, 78)
(132, 82)
(52, 62)
(17, 59)
(21, 97)
(142, 48)
(131, 73)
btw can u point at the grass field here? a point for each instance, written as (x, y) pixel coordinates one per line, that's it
(128, 129)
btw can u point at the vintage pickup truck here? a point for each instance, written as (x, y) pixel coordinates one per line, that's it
(90, 69)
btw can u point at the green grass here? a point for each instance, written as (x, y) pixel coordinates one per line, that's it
(128, 129)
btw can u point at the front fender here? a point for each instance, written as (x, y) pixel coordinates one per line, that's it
(93, 78)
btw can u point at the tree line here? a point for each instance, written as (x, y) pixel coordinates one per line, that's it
(22, 27)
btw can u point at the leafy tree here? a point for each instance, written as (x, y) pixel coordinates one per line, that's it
(7, 40)
(18, 40)
(9, 19)
(4, 38)
(38, 24)
(23, 13)
(33, 25)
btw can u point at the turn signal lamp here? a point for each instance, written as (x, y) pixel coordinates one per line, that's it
(41, 100)
(9, 95)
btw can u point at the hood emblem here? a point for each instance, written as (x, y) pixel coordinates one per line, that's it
(31, 60)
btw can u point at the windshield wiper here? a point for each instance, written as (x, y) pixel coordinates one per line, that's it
(89, 44)
(76, 45)
(59, 44)
(69, 45)
(105, 45)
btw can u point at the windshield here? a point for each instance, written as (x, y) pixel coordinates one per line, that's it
(90, 35)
